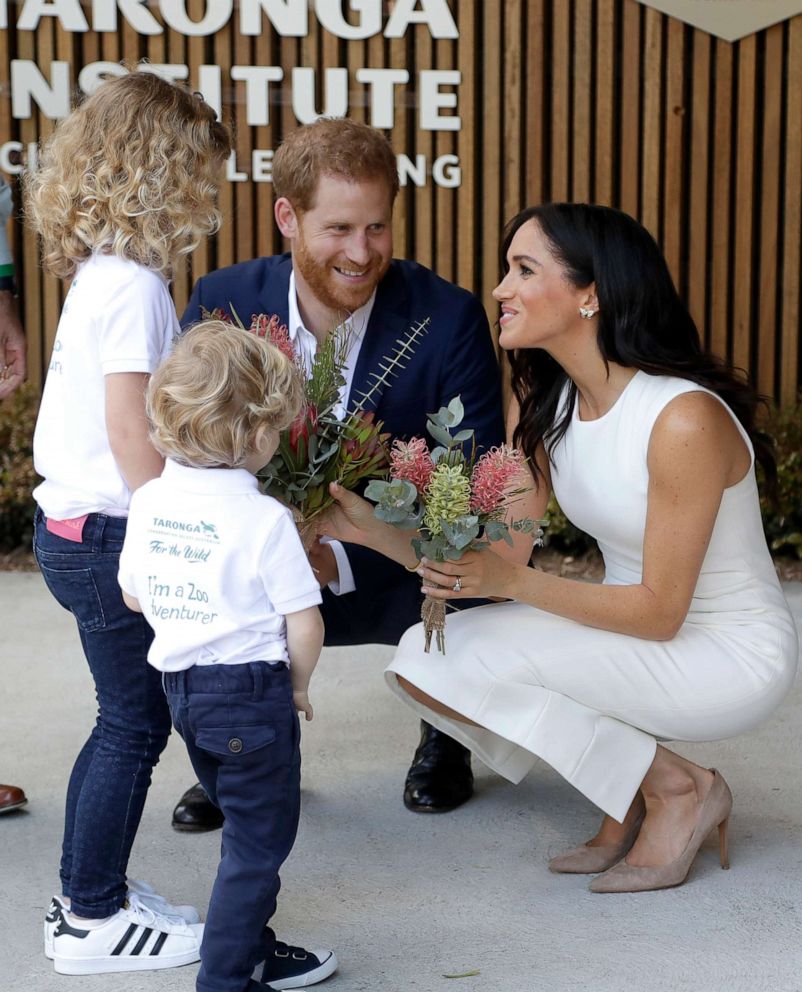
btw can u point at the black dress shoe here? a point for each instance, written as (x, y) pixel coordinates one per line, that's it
(196, 812)
(440, 776)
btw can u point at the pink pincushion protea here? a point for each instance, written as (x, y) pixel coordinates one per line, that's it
(411, 461)
(262, 325)
(492, 476)
(276, 333)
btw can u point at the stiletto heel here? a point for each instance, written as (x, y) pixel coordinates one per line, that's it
(723, 843)
(713, 812)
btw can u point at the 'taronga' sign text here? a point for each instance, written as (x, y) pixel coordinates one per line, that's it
(48, 88)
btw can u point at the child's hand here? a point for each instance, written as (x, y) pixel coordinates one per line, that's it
(300, 698)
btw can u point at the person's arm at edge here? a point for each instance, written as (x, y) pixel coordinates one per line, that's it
(12, 336)
(12, 344)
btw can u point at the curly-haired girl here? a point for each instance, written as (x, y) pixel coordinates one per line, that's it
(125, 187)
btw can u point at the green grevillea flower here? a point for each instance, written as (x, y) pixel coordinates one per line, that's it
(448, 497)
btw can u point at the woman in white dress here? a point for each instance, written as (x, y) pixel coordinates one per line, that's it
(649, 444)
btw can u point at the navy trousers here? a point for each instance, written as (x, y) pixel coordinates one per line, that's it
(243, 737)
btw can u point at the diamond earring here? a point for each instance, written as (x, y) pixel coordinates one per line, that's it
(587, 313)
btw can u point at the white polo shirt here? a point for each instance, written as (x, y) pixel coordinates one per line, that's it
(118, 317)
(215, 566)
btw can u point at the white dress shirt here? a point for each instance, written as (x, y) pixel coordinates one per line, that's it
(305, 344)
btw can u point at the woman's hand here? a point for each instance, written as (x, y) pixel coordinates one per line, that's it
(350, 519)
(481, 574)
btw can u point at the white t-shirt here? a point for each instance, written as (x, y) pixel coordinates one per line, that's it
(215, 566)
(118, 317)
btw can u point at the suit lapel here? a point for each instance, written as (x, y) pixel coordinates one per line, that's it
(389, 320)
(274, 291)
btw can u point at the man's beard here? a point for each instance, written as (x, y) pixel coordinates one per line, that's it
(324, 285)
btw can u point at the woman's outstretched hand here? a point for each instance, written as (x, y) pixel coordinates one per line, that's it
(481, 574)
(349, 519)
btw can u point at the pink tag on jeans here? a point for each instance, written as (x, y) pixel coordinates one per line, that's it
(70, 530)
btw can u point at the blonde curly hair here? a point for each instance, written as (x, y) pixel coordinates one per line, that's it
(133, 171)
(208, 400)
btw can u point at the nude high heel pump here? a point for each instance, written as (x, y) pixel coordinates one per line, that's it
(586, 860)
(714, 812)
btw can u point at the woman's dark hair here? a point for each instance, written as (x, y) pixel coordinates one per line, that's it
(642, 323)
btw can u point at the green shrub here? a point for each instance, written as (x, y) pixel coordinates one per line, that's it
(783, 522)
(17, 477)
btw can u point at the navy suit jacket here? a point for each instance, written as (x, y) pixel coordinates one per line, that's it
(456, 357)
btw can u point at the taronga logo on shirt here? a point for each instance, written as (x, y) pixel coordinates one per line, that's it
(182, 527)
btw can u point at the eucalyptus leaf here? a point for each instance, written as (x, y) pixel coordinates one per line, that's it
(525, 526)
(462, 436)
(375, 489)
(401, 492)
(461, 532)
(457, 411)
(468, 521)
(395, 515)
(433, 549)
(442, 418)
(440, 434)
(452, 554)
(495, 530)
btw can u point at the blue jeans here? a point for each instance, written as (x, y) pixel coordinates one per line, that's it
(243, 738)
(111, 775)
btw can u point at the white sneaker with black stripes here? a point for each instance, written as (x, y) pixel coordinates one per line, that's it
(137, 892)
(54, 913)
(135, 939)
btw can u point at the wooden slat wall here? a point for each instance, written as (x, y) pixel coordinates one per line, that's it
(607, 100)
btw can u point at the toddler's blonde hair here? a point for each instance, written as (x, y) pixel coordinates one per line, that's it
(207, 401)
(133, 171)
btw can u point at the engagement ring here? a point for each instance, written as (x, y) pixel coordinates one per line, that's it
(458, 584)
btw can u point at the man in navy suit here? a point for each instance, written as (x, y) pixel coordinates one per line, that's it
(335, 183)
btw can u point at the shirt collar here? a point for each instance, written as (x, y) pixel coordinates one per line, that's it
(357, 321)
(209, 480)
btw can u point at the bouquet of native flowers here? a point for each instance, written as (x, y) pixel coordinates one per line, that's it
(319, 447)
(457, 502)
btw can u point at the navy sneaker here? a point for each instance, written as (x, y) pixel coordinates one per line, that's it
(295, 968)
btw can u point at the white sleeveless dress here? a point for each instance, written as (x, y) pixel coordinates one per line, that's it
(591, 702)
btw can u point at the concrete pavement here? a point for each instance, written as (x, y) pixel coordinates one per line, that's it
(407, 900)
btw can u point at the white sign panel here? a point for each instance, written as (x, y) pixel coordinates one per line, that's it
(728, 19)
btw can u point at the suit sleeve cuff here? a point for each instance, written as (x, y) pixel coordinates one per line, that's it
(345, 582)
